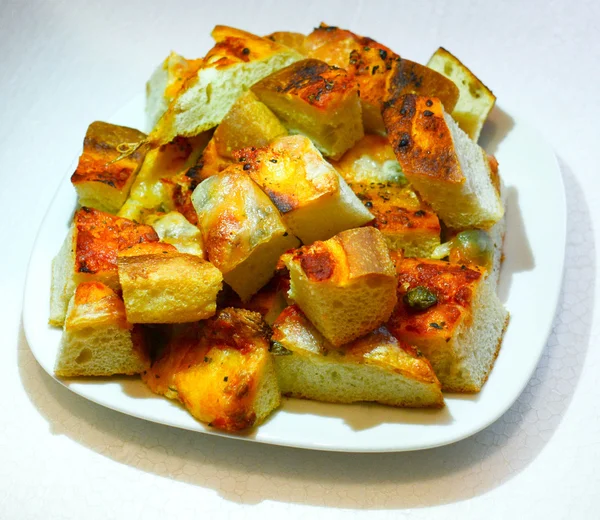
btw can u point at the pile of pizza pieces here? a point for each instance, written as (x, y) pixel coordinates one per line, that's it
(309, 216)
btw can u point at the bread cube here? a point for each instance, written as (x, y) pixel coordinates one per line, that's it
(97, 339)
(454, 317)
(89, 253)
(346, 285)
(166, 81)
(101, 183)
(317, 100)
(248, 123)
(220, 370)
(242, 230)
(376, 367)
(237, 61)
(408, 77)
(292, 40)
(476, 100)
(316, 203)
(161, 285)
(153, 188)
(373, 173)
(173, 228)
(366, 60)
(447, 168)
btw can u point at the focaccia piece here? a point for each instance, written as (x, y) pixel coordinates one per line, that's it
(408, 77)
(317, 100)
(153, 188)
(242, 230)
(101, 183)
(376, 367)
(444, 165)
(373, 173)
(89, 253)
(345, 285)
(164, 84)
(316, 203)
(248, 123)
(366, 60)
(220, 370)
(237, 61)
(293, 40)
(476, 100)
(97, 340)
(453, 316)
(161, 285)
(173, 228)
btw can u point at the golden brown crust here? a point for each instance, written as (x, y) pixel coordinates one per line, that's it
(368, 61)
(351, 254)
(234, 46)
(314, 82)
(100, 236)
(366, 253)
(421, 138)
(100, 149)
(96, 304)
(292, 40)
(408, 77)
(283, 171)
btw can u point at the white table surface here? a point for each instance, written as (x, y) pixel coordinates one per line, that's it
(65, 64)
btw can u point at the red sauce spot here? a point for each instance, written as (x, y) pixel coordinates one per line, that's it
(318, 264)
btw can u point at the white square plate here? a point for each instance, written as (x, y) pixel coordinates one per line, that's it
(529, 285)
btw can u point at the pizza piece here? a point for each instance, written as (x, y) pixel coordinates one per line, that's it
(345, 285)
(314, 200)
(242, 230)
(248, 123)
(97, 339)
(444, 165)
(89, 253)
(376, 367)
(173, 228)
(220, 370)
(317, 100)
(153, 188)
(373, 173)
(237, 61)
(476, 100)
(454, 317)
(367, 61)
(162, 285)
(293, 40)
(408, 77)
(100, 180)
(164, 84)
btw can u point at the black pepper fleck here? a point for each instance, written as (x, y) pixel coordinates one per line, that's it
(382, 54)
(429, 102)
(245, 50)
(369, 204)
(427, 113)
(247, 166)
